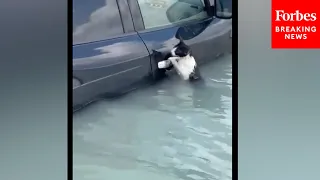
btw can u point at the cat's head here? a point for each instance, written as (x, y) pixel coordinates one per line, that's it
(181, 50)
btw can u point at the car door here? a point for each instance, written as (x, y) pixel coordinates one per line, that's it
(160, 24)
(109, 57)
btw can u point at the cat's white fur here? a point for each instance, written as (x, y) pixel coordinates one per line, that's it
(173, 52)
(184, 65)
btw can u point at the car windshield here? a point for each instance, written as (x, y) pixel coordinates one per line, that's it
(167, 131)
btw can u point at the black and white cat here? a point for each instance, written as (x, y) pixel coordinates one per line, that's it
(182, 60)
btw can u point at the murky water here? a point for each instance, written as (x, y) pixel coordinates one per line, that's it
(172, 130)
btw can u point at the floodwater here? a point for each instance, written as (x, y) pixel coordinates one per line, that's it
(169, 131)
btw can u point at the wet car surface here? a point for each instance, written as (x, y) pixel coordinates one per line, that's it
(117, 44)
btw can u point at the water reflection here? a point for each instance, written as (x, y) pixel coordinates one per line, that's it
(173, 130)
(95, 20)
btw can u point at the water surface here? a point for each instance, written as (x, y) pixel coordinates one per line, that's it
(172, 130)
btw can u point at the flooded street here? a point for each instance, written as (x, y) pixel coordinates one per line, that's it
(169, 131)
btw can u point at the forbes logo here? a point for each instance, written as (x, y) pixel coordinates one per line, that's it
(281, 15)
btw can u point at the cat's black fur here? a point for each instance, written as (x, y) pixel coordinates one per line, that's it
(182, 50)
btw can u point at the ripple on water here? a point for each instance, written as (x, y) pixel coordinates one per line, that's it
(169, 131)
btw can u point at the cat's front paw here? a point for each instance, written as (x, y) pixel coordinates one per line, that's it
(173, 58)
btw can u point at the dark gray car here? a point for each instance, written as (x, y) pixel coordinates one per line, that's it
(117, 43)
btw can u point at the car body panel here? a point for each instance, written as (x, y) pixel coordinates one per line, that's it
(109, 67)
(208, 38)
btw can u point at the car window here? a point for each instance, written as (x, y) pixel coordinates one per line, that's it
(224, 7)
(95, 20)
(156, 13)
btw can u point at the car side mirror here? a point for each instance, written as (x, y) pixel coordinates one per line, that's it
(222, 9)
